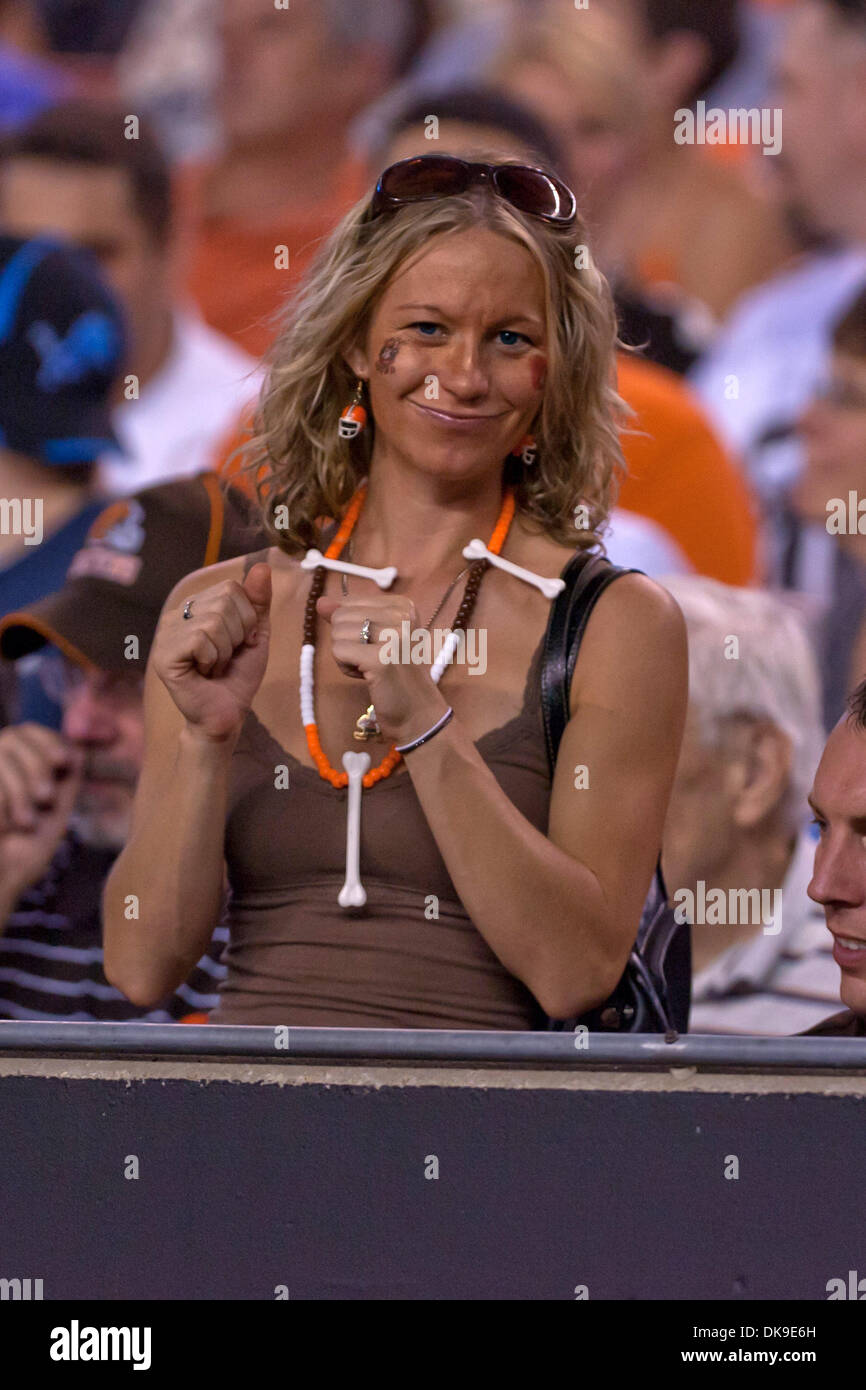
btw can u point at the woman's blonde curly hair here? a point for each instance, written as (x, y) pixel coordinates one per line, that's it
(305, 473)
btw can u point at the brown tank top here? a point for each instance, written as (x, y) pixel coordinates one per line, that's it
(411, 958)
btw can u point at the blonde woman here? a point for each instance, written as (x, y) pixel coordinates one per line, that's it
(451, 310)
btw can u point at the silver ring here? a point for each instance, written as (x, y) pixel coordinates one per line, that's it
(187, 608)
(366, 630)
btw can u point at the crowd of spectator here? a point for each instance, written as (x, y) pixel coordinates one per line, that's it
(168, 169)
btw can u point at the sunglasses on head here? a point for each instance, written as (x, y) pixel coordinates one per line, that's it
(431, 176)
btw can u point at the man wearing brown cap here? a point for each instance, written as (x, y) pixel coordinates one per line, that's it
(66, 798)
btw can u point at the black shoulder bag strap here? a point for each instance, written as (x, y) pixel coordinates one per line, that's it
(654, 994)
(586, 577)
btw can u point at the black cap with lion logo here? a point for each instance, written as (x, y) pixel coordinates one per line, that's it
(62, 343)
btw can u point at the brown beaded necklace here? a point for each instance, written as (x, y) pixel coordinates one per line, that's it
(467, 604)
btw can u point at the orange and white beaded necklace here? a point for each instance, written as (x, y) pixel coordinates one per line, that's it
(357, 774)
(464, 613)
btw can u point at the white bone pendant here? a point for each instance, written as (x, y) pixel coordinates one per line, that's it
(477, 550)
(352, 893)
(384, 577)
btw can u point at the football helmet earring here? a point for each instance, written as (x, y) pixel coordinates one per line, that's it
(353, 417)
(527, 450)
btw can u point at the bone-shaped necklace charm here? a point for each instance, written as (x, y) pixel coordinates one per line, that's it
(352, 892)
(477, 550)
(384, 577)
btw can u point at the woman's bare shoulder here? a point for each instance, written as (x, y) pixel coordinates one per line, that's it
(638, 600)
(536, 550)
(636, 632)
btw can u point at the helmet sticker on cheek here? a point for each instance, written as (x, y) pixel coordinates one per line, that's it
(388, 355)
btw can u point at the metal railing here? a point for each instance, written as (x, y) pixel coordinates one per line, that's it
(643, 1052)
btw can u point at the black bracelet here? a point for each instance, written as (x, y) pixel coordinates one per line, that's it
(416, 742)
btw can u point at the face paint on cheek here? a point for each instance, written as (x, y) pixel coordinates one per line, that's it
(538, 372)
(388, 355)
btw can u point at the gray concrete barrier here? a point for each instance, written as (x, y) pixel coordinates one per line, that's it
(144, 1162)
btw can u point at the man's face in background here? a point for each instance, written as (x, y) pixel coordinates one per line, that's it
(819, 87)
(103, 716)
(283, 74)
(838, 799)
(833, 429)
(269, 60)
(91, 206)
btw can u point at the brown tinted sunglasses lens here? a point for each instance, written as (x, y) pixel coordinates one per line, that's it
(533, 192)
(425, 177)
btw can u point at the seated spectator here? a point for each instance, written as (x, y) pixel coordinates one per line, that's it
(834, 433)
(838, 799)
(687, 228)
(294, 80)
(73, 173)
(66, 798)
(679, 476)
(737, 854)
(768, 361)
(168, 72)
(61, 348)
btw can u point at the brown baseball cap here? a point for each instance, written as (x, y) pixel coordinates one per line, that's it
(135, 552)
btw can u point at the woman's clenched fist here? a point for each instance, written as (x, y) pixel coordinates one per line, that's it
(212, 663)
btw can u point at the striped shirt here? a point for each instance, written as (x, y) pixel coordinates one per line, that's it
(51, 951)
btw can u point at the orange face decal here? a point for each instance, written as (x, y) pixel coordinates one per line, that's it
(538, 370)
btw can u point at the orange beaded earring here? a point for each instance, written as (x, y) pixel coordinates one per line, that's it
(353, 418)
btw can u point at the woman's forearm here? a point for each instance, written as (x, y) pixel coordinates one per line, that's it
(543, 913)
(163, 896)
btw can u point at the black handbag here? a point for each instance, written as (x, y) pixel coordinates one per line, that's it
(654, 993)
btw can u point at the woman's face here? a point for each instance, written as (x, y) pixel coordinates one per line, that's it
(833, 429)
(455, 355)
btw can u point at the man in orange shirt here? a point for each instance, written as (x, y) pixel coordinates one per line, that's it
(294, 80)
(680, 475)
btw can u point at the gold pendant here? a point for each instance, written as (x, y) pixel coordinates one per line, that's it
(366, 725)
